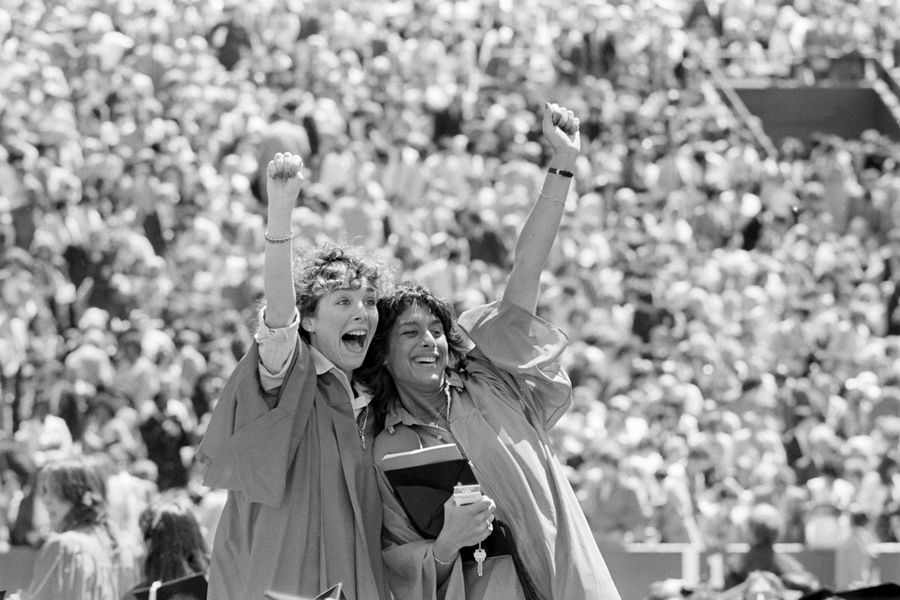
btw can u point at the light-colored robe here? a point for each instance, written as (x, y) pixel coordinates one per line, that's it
(82, 564)
(303, 510)
(510, 393)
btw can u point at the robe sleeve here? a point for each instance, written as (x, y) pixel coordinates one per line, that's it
(408, 557)
(526, 350)
(250, 441)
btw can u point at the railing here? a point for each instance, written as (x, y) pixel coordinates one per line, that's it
(633, 568)
(738, 107)
(887, 86)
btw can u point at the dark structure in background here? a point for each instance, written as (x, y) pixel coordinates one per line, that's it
(854, 93)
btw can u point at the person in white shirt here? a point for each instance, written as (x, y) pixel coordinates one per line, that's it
(44, 435)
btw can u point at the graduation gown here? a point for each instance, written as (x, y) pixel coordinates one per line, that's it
(81, 564)
(511, 391)
(303, 510)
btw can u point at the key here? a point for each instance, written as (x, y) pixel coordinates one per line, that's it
(480, 555)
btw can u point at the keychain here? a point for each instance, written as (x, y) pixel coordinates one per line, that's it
(466, 494)
(480, 555)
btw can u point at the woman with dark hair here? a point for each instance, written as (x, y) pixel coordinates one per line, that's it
(488, 390)
(291, 435)
(174, 544)
(765, 526)
(85, 559)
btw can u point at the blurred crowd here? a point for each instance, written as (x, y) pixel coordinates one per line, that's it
(732, 313)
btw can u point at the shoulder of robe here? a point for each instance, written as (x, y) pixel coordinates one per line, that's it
(399, 438)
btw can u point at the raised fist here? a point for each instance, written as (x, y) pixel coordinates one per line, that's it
(561, 128)
(284, 177)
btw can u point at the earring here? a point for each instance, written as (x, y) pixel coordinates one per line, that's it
(306, 323)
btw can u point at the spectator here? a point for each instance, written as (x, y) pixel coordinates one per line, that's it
(888, 473)
(165, 435)
(174, 545)
(776, 485)
(32, 524)
(855, 555)
(106, 428)
(674, 516)
(615, 505)
(44, 436)
(130, 485)
(893, 526)
(137, 377)
(90, 361)
(764, 527)
(85, 558)
(17, 473)
(829, 498)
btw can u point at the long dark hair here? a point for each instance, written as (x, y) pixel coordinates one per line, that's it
(174, 542)
(373, 373)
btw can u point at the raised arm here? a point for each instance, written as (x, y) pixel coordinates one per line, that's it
(560, 128)
(283, 179)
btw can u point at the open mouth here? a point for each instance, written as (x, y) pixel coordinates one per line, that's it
(355, 340)
(426, 361)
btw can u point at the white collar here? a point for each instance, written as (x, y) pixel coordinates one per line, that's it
(358, 399)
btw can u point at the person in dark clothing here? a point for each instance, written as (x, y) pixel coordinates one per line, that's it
(174, 544)
(230, 39)
(484, 241)
(447, 120)
(764, 528)
(24, 529)
(891, 276)
(165, 436)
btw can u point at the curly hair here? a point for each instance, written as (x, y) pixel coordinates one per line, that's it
(373, 373)
(323, 269)
(174, 541)
(81, 482)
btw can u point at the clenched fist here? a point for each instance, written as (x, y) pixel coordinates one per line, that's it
(283, 179)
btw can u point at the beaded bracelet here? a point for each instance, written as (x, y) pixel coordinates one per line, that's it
(279, 240)
(560, 172)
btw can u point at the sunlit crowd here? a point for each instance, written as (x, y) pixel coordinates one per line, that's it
(732, 313)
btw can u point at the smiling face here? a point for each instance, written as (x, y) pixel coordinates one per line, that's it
(417, 351)
(342, 325)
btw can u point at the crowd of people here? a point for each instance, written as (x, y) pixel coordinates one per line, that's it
(732, 314)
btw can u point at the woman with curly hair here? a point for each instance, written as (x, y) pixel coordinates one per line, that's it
(291, 435)
(85, 559)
